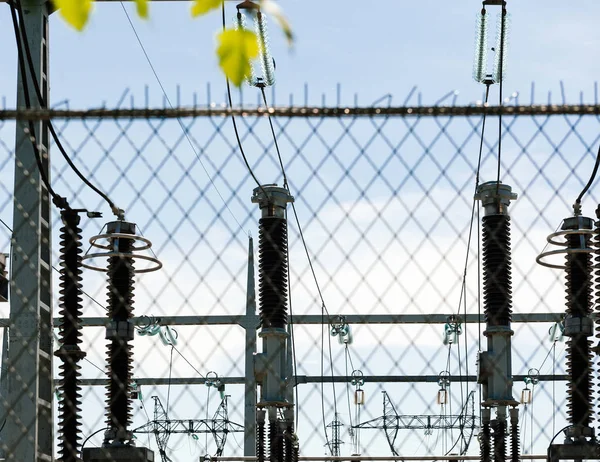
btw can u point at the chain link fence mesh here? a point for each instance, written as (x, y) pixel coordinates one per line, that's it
(385, 205)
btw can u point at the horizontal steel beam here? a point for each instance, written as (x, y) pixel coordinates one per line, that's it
(317, 319)
(300, 112)
(303, 379)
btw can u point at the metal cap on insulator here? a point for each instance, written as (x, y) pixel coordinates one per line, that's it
(577, 222)
(119, 226)
(495, 197)
(272, 200)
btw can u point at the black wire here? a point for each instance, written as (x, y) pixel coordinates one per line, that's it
(183, 128)
(169, 383)
(58, 200)
(186, 360)
(235, 129)
(48, 123)
(3, 424)
(591, 180)
(559, 432)
(323, 306)
(285, 182)
(348, 386)
(89, 436)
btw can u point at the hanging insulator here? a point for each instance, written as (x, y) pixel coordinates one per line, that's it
(526, 396)
(499, 426)
(480, 61)
(273, 272)
(359, 397)
(502, 34)
(442, 396)
(267, 63)
(71, 311)
(121, 253)
(497, 284)
(260, 436)
(240, 24)
(264, 50)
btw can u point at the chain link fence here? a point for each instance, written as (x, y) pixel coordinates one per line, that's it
(385, 205)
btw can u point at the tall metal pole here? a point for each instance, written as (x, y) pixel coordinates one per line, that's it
(28, 433)
(250, 327)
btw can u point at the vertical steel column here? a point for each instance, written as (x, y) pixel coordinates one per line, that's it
(28, 435)
(250, 327)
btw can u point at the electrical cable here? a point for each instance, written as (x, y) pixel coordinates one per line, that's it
(48, 123)
(554, 390)
(207, 401)
(185, 131)
(169, 382)
(559, 432)
(591, 180)
(348, 387)
(235, 129)
(323, 306)
(97, 367)
(90, 435)
(286, 186)
(186, 360)
(30, 130)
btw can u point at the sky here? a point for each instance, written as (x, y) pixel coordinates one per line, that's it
(403, 257)
(386, 47)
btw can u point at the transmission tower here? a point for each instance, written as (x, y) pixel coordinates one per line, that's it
(391, 422)
(162, 427)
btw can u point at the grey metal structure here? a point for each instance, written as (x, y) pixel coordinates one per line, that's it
(495, 363)
(28, 435)
(162, 427)
(391, 422)
(250, 326)
(272, 367)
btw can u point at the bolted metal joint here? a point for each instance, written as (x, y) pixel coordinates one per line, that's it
(120, 330)
(272, 200)
(578, 325)
(495, 197)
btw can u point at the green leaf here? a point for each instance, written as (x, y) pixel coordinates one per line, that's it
(236, 47)
(274, 10)
(142, 8)
(75, 12)
(200, 7)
